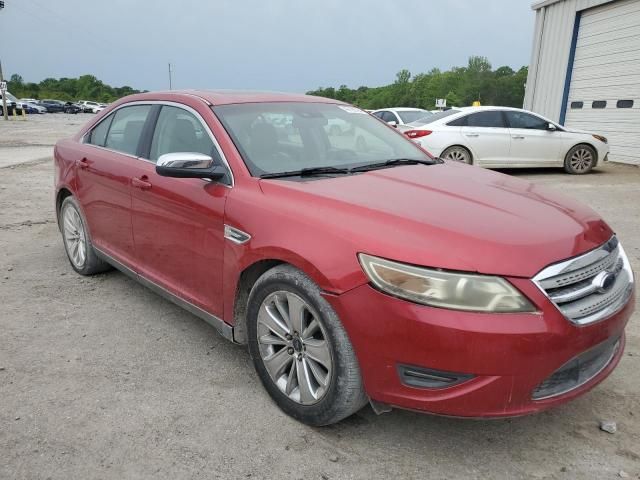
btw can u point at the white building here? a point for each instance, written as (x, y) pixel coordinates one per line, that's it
(585, 69)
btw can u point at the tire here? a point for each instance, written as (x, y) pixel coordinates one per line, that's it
(76, 240)
(314, 350)
(457, 153)
(580, 159)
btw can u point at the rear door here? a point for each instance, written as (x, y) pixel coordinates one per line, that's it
(532, 143)
(102, 179)
(178, 223)
(487, 135)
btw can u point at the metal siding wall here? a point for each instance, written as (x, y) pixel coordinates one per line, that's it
(546, 98)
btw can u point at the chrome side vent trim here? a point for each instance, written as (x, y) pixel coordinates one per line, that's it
(590, 287)
(235, 235)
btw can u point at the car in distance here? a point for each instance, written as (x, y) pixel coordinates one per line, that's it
(33, 105)
(401, 115)
(501, 137)
(373, 273)
(91, 107)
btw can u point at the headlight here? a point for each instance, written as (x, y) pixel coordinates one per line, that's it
(600, 137)
(456, 291)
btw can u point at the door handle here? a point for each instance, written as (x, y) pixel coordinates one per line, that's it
(517, 137)
(141, 183)
(472, 134)
(84, 163)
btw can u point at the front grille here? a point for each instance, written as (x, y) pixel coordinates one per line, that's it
(578, 371)
(590, 287)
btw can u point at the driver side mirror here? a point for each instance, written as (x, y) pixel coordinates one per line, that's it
(551, 127)
(189, 165)
(393, 123)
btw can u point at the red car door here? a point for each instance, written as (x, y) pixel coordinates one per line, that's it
(103, 180)
(178, 224)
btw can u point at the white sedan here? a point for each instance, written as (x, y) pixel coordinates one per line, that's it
(502, 137)
(401, 115)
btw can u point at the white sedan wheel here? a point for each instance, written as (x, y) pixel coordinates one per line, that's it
(458, 154)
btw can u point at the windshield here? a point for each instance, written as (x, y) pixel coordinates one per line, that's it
(409, 116)
(290, 136)
(435, 116)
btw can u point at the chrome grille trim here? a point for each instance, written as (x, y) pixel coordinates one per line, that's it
(590, 287)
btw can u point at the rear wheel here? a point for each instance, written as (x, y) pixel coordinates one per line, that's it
(300, 350)
(76, 240)
(458, 154)
(580, 160)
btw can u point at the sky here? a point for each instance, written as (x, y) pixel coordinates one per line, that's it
(285, 45)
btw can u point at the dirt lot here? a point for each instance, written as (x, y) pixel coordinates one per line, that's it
(100, 378)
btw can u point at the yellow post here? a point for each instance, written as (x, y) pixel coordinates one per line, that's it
(24, 113)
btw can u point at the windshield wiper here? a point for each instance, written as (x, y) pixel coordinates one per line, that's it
(393, 163)
(308, 172)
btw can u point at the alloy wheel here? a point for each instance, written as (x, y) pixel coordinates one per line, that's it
(581, 160)
(457, 154)
(74, 237)
(294, 347)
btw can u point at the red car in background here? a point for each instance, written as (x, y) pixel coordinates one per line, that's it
(354, 265)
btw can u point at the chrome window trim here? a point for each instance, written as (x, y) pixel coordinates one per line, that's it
(169, 104)
(575, 264)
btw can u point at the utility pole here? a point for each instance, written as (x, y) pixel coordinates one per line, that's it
(4, 96)
(170, 82)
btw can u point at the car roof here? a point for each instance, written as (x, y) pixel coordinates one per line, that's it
(402, 109)
(227, 97)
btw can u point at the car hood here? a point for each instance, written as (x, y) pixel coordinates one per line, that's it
(449, 216)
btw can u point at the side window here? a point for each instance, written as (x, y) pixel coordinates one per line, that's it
(98, 135)
(459, 122)
(379, 114)
(488, 119)
(178, 130)
(389, 117)
(126, 129)
(527, 121)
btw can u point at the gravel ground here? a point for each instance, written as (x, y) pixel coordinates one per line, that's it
(100, 378)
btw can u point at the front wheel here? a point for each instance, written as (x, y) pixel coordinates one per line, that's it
(580, 160)
(458, 154)
(300, 349)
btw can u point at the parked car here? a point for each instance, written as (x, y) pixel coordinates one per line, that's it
(380, 275)
(70, 107)
(501, 137)
(52, 106)
(32, 106)
(91, 107)
(401, 116)
(13, 107)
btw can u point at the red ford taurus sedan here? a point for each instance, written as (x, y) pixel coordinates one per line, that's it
(355, 266)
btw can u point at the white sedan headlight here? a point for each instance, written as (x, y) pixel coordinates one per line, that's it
(456, 291)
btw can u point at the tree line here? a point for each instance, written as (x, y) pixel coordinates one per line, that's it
(460, 86)
(86, 87)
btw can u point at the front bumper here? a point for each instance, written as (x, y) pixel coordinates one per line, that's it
(508, 355)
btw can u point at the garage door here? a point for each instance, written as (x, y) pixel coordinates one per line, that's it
(604, 96)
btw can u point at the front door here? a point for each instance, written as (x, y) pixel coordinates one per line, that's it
(178, 223)
(532, 143)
